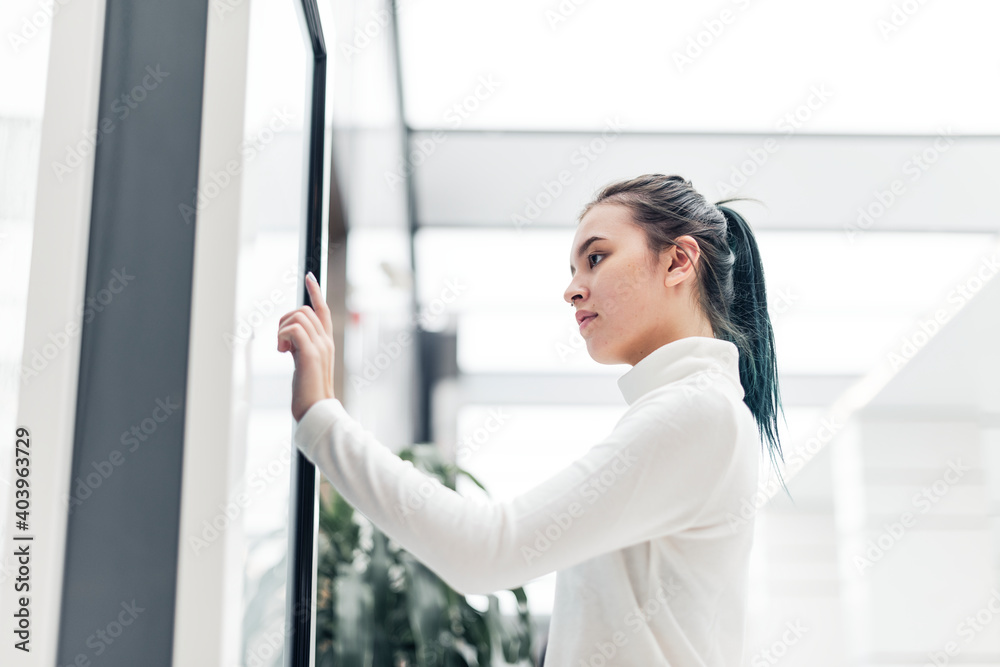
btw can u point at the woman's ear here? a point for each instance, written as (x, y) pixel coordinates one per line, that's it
(681, 259)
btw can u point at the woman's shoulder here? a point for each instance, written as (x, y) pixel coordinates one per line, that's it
(679, 416)
(693, 401)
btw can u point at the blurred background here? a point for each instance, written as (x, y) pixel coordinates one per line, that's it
(466, 137)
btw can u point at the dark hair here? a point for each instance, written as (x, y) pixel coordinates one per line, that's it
(731, 284)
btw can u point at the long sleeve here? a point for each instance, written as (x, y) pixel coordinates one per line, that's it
(654, 474)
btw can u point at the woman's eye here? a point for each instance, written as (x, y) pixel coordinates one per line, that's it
(596, 254)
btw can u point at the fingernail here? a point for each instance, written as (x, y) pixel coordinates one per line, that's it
(310, 276)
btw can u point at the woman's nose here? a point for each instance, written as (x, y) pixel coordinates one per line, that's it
(572, 291)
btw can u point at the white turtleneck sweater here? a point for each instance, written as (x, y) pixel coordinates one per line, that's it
(647, 531)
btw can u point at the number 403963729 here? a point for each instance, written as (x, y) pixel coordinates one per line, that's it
(22, 469)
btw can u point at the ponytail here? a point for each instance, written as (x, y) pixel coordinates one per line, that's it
(748, 313)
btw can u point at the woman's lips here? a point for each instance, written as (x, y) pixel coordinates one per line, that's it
(587, 321)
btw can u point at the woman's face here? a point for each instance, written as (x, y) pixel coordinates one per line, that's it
(641, 304)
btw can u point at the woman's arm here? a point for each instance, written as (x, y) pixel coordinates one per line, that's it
(651, 476)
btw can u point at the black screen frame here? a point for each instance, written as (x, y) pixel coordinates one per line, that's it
(305, 497)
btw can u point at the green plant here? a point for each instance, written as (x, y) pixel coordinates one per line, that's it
(377, 606)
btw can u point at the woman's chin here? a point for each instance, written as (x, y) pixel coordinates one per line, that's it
(598, 352)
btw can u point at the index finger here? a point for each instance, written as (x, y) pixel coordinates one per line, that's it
(318, 303)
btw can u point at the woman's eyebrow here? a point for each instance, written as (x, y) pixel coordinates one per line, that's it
(583, 249)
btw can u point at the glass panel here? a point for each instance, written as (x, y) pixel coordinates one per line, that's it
(279, 70)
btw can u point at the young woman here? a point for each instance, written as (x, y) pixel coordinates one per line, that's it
(648, 531)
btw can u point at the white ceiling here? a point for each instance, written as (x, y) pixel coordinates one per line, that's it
(887, 72)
